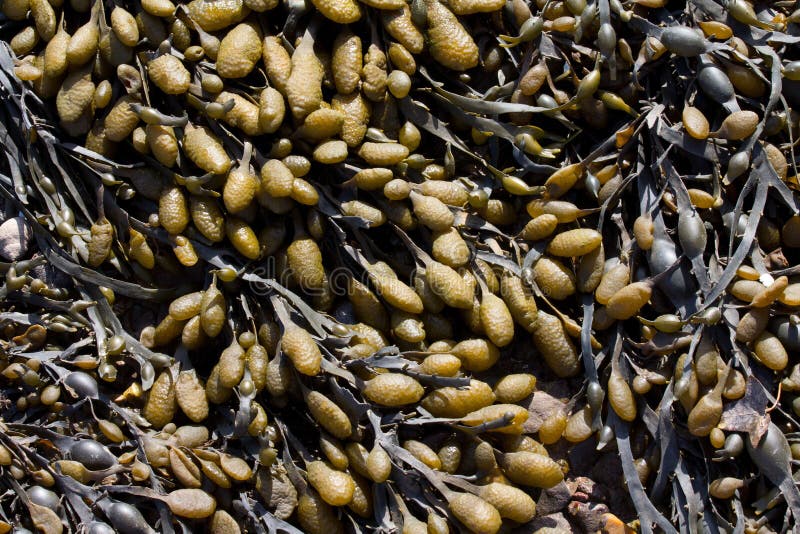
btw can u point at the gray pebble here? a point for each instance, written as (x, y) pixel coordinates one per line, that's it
(15, 238)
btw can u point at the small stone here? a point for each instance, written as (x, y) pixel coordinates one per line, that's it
(15, 237)
(585, 489)
(540, 406)
(551, 521)
(588, 515)
(554, 499)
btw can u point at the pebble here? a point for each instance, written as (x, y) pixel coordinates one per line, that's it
(554, 499)
(552, 521)
(588, 515)
(15, 237)
(540, 406)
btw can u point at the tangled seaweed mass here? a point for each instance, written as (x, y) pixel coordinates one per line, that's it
(388, 266)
